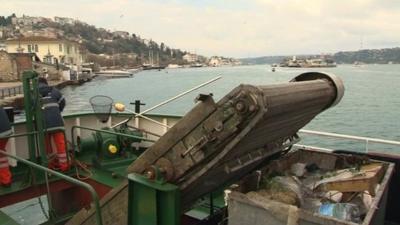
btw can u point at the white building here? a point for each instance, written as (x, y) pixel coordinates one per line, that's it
(122, 34)
(49, 50)
(214, 61)
(64, 20)
(29, 20)
(190, 57)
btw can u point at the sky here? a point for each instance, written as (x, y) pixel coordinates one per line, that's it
(236, 28)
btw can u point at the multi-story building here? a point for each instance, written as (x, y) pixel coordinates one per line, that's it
(6, 32)
(48, 32)
(214, 61)
(28, 20)
(49, 50)
(122, 34)
(64, 20)
(190, 57)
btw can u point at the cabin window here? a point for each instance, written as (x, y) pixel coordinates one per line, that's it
(29, 48)
(36, 48)
(60, 47)
(68, 48)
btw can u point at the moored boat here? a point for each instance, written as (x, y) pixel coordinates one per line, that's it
(114, 74)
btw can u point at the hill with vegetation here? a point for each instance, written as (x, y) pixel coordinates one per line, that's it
(100, 44)
(101, 41)
(380, 56)
(263, 60)
(368, 56)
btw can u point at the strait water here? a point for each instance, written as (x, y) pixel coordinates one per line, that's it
(370, 106)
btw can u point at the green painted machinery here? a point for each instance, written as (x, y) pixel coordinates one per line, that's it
(109, 144)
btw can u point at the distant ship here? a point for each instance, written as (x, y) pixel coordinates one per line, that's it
(309, 62)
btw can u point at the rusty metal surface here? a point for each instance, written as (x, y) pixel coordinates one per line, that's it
(219, 142)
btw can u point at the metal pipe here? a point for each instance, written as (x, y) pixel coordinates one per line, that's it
(165, 102)
(88, 187)
(149, 119)
(179, 95)
(110, 132)
(350, 137)
(19, 135)
(309, 147)
(49, 201)
(27, 76)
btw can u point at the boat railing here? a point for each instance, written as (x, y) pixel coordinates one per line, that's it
(73, 128)
(47, 171)
(10, 91)
(367, 140)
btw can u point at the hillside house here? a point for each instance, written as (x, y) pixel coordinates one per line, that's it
(49, 50)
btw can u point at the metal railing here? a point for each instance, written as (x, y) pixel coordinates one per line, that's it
(88, 187)
(10, 91)
(366, 140)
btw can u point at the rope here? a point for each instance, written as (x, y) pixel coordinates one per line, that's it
(78, 164)
(84, 167)
(42, 208)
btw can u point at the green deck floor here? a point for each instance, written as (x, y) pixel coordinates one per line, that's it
(6, 220)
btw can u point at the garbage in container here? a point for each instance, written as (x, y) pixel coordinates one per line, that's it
(316, 185)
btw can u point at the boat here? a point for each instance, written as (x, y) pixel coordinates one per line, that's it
(164, 161)
(358, 64)
(152, 67)
(319, 62)
(196, 65)
(173, 66)
(114, 74)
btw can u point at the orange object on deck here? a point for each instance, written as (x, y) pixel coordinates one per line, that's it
(5, 174)
(58, 157)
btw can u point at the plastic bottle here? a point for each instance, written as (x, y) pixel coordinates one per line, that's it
(342, 211)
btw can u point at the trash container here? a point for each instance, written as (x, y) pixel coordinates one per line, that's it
(285, 191)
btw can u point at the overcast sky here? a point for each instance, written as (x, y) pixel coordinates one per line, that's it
(236, 28)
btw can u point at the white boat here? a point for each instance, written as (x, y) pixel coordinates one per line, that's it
(173, 66)
(114, 74)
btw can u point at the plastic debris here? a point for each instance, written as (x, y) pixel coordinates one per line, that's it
(334, 196)
(283, 189)
(342, 211)
(353, 180)
(298, 169)
(345, 193)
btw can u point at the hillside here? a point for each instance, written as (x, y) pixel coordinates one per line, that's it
(263, 60)
(381, 56)
(100, 44)
(101, 41)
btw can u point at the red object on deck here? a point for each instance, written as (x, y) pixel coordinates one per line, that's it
(5, 174)
(62, 193)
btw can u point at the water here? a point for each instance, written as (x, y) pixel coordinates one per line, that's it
(370, 106)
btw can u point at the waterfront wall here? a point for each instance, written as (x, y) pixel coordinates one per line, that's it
(8, 67)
